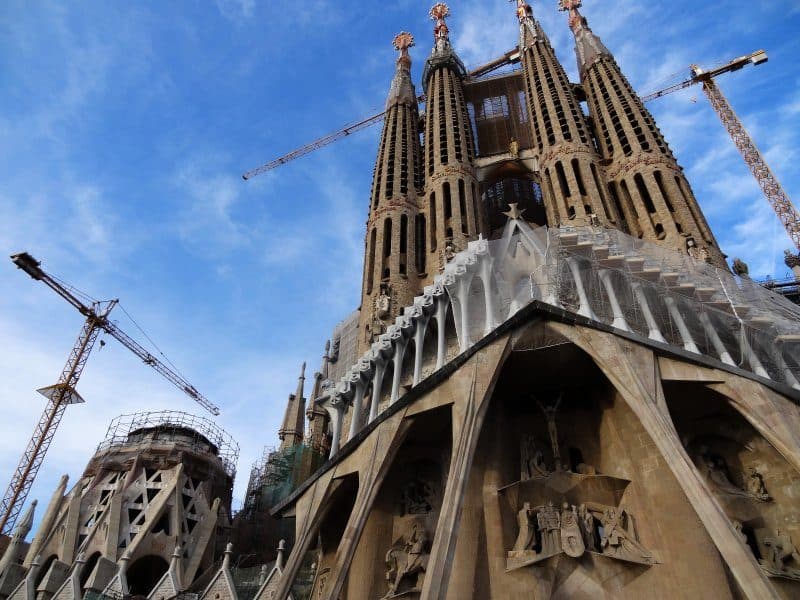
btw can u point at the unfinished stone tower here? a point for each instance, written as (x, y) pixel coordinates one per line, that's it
(149, 514)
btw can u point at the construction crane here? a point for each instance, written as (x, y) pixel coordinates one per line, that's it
(510, 57)
(63, 393)
(777, 197)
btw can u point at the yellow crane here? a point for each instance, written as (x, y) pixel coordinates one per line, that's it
(63, 393)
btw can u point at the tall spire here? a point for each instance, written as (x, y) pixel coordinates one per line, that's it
(391, 273)
(646, 184)
(402, 89)
(573, 189)
(292, 430)
(587, 45)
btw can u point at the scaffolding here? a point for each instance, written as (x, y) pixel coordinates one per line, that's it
(201, 434)
(498, 112)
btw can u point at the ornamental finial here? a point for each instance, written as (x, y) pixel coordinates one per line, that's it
(438, 13)
(572, 7)
(524, 10)
(402, 42)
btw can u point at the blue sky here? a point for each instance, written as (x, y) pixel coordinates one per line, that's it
(125, 127)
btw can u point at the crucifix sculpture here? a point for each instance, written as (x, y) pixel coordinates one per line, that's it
(549, 411)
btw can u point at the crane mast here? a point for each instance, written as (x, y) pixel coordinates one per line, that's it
(769, 184)
(63, 393)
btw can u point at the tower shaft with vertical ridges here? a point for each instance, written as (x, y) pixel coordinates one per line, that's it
(646, 184)
(391, 266)
(572, 180)
(452, 211)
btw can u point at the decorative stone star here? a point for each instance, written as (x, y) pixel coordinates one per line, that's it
(513, 211)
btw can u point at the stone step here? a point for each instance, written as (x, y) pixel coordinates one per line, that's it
(705, 294)
(670, 279)
(650, 273)
(615, 261)
(568, 238)
(635, 263)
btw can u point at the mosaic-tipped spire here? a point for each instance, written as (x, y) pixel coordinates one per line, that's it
(438, 13)
(402, 90)
(587, 45)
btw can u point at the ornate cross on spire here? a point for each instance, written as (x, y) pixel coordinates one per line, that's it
(438, 13)
(402, 42)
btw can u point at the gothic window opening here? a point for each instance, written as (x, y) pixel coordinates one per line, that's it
(387, 248)
(404, 154)
(644, 193)
(612, 190)
(443, 157)
(462, 206)
(419, 237)
(403, 243)
(390, 162)
(432, 214)
(626, 194)
(448, 204)
(576, 169)
(371, 259)
(562, 180)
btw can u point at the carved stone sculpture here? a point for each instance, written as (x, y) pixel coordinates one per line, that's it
(532, 460)
(781, 550)
(550, 414)
(616, 541)
(755, 485)
(527, 533)
(417, 497)
(571, 536)
(549, 522)
(716, 471)
(588, 528)
(740, 268)
(406, 564)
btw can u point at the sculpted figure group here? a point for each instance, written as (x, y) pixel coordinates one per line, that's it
(547, 530)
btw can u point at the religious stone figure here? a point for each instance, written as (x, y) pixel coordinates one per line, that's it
(740, 268)
(695, 251)
(716, 471)
(406, 566)
(527, 533)
(550, 414)
(532, 459)
(619, 543)
(588, 527)
(417, 497)
(549, 523)
(755, 485)
(571, 537)
(781, 551)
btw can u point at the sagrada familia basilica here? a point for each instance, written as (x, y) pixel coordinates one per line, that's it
(554, 386)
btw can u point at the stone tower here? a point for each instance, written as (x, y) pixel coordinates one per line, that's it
(646, 183)
(292, 429)
(147, 517)
(391, 268)
(452, 203)
(572, 179)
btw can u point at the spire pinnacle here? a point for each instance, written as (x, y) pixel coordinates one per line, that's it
(439, 11)
(402, 42)
(575, 18)
(524, 11)
(402, 89)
